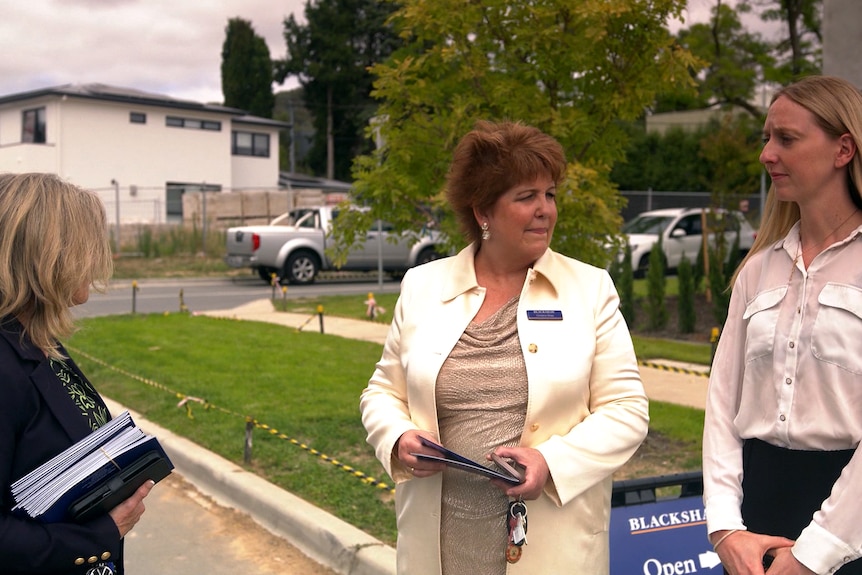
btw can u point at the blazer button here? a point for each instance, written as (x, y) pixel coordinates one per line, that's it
(532, 348)
(106, 555)
(79, 561)
(534, 427)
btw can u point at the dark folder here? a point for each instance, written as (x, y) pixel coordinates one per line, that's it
(93, 475)
(506, 472)
(118, 488)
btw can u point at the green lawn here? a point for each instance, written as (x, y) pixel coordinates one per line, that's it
(301, 388)
(352, 306)
(302, 385)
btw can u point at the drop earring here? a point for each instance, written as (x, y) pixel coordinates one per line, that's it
(486, 235)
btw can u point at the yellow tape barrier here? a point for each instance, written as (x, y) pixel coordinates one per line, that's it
(671, 368)
(186, 401)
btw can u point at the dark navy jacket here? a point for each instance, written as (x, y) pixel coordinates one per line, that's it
(38, 420)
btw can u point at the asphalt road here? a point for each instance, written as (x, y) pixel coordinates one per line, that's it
(169, 295)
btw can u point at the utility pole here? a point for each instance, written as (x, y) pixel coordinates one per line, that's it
(292, 139)
(330, 142)
(116, 185)
(204, 219)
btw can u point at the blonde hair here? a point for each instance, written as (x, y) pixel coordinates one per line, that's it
(492, 159)
(837, 108)
(53, 243)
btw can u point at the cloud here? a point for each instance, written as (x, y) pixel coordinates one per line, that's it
(171, 47)
(700, 11)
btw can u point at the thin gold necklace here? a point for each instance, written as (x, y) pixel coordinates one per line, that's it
(800, 252)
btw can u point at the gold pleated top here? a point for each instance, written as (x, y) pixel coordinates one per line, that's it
(481, 399)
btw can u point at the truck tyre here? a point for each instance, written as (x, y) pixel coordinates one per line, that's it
(301, 267)
(427, 255)
(265, 273)
(642, 267)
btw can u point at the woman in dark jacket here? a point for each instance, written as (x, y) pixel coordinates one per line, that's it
(53, 247)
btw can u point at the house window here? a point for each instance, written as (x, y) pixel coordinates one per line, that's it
(137, 117)
(192, 123)
(250, 144)
(174, 197)
(33, 126)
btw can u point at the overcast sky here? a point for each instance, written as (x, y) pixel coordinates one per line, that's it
(170, 47)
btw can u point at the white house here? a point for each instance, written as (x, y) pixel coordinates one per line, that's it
(140, 149)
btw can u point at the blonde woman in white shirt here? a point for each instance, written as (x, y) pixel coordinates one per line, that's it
(782, 469)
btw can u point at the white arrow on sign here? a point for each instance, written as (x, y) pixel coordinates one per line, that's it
(709, 560)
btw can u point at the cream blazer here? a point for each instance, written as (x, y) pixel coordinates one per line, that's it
(587, 412)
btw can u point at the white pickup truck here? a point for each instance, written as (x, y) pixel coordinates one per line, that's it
(293, 246)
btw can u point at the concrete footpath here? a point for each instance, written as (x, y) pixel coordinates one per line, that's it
(667, 381)
(321, 536)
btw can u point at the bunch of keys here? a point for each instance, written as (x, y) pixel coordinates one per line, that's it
(517, 526)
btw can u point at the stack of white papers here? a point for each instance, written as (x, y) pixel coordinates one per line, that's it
(47, 492)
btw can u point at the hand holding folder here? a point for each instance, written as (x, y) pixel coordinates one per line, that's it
(92, 476)
(505, 473)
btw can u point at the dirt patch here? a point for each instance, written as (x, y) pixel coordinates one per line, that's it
(659, 455)
(705, 320)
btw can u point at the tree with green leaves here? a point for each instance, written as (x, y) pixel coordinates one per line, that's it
(798, 51)
(731, 153)
(331, 54)
(246, 70)
(668, 162)
(737, 59)
(576, 70)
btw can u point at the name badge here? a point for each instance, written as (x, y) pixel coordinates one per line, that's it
(545, 314)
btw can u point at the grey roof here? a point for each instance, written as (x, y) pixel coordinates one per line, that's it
(296, 181)
(139, 97)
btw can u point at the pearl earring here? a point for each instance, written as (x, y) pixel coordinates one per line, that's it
(486, 235)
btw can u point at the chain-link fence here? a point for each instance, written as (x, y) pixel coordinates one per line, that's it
(643, 201)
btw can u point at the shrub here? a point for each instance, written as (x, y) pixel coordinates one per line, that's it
(718, 285)
(656, 306)
(625, 281)
(686, 318)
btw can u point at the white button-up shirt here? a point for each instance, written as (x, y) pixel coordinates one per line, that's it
(788, 371)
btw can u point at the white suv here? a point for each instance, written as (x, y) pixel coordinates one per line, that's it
(681, 230)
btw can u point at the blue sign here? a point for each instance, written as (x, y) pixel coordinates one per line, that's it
(662, 538)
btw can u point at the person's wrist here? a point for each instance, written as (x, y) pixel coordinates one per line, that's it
(720, 537)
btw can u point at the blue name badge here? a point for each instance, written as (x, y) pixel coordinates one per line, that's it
(545, 314)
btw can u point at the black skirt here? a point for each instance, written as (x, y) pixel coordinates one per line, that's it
(783, 488)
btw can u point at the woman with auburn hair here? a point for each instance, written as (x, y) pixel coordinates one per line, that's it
(781, 462)
(53, 247)
(513, 351)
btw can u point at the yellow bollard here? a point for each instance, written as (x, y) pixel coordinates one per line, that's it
(713, 339)
(134, 295)
(320, 316)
